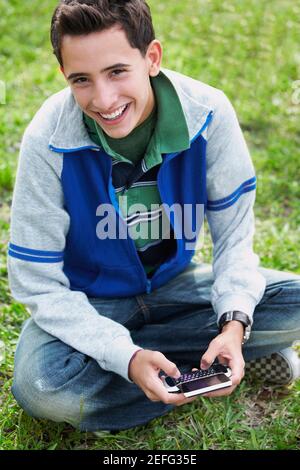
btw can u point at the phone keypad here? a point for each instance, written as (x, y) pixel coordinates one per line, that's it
(199, 374)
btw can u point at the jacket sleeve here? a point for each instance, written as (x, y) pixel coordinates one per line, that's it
(231, 185)
(39, 225)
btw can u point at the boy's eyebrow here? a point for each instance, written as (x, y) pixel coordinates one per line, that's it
(79, 74)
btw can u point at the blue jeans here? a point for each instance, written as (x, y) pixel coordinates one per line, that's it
(56, 382)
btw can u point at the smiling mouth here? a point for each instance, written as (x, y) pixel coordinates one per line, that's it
(116, 115)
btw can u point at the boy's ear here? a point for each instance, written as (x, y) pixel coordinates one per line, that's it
(154, 56)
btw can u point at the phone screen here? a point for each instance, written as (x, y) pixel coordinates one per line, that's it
(204, 383)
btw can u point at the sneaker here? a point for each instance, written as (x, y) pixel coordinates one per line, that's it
(280, 368)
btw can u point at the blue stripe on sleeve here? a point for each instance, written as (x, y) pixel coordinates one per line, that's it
(228, 201)
(38, 256)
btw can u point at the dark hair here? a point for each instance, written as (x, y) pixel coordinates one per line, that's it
(80, 17)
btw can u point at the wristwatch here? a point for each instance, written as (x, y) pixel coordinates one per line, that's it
(239, 316)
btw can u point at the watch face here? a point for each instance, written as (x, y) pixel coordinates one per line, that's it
(246, 334)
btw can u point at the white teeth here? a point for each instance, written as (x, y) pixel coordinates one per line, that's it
(115, 114)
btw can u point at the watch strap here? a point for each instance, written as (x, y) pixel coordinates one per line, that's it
(238, 316)
(234, 315)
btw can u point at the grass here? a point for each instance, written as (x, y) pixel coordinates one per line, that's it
(250, 50)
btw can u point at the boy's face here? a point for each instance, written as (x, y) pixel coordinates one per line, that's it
(113, 82)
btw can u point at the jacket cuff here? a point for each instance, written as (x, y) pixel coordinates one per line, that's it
(243, 303)
(117, 356)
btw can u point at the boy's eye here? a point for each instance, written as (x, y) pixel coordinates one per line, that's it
(117, 72)
(80, 80)
(83, 80)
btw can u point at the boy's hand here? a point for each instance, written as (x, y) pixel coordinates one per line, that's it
(227, 347)
(144, 372)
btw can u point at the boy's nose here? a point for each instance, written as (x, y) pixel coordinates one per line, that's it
(105, 99)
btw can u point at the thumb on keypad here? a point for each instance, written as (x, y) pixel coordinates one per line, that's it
(168, 367)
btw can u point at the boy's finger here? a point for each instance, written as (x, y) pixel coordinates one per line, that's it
(167, 366)
(209, 356)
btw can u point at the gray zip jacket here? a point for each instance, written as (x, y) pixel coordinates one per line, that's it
(40, 221)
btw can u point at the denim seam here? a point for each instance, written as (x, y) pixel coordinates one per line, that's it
(133, 314)
(144, 309)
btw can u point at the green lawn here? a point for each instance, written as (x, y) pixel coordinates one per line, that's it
(251, 51)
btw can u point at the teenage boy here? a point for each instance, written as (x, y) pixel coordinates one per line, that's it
(110, 312)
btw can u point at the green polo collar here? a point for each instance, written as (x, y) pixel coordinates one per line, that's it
(171, 132)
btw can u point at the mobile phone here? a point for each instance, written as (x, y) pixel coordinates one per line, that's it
(200, 381)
